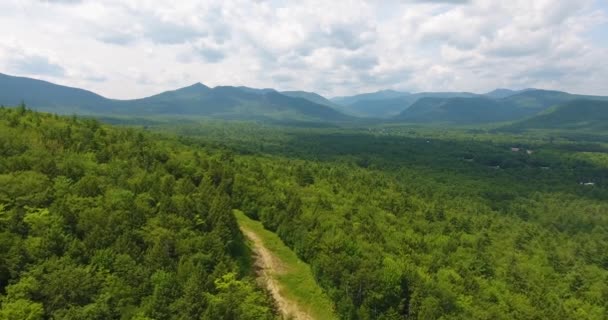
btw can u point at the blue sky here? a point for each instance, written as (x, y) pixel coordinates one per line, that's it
(134, 48)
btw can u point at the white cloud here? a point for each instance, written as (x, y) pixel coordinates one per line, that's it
(139, 47)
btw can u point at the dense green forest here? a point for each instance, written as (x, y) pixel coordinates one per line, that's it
(429, 223)
(396, 222)
(113, 223)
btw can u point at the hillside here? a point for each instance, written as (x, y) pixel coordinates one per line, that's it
(38, 93)
(591, 115)
(483, 109)
(223, 102)
(230, 103)
(392, 106)
(509, 105)
(372, 96)
(458, 110)
(310, 96)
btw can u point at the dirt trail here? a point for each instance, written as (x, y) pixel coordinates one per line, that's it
(268, 266)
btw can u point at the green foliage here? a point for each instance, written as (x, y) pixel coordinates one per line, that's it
(105, 223)
(237, 300)
(21, 310)
(395, 222)
(402, 223)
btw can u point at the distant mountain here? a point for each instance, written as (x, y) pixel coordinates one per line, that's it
(389, 107)
(222, 102)
(573, 115)
(255, 90)
(244, 103)
(372, 96)
(484, 109)
(40, 93)
(310, 96)
(524, 102)
(504, 93)
(458, 110)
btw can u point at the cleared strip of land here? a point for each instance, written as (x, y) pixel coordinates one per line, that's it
(289, 280)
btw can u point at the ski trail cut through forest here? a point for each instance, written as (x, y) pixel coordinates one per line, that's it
(289, 280)
(268, 266)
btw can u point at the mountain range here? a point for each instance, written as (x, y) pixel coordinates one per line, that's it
(223, 102)
(485, 109)
(530, 107)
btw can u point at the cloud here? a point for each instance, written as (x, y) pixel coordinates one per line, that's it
(444, 1)
(61, 1)
(36, 65)
(118, 38)
(139, 47)
(96, 78)
(211, 55)
(170, 33)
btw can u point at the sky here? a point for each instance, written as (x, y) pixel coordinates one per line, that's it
(135, 48)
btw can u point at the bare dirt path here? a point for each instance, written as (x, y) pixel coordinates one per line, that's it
(268, 267)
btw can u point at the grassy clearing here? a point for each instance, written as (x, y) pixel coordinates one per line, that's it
(295, 278)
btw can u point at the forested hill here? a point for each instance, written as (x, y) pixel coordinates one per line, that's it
(389, 105)
(43, 94)
(197, 100)
(487, 109)
(105, 223)
(459, 110)
(588, 115)
(311, 96)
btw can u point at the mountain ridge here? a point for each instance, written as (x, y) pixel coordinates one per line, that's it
(223, 102)
(484, 109)
(245, 103)
(583, 114)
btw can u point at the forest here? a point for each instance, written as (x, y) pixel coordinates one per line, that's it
(131, 221)
(114, 223)
(434, 224)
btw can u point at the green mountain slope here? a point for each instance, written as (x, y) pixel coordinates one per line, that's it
(392, 106)
(38, 93)
(372, 96)
(522, 103)
(310, 96)
(458, 110)
(577, 115)
(231, 103)
(483, 109)
(504, 93)
(222, 102)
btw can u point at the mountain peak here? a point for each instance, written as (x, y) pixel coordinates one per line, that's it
(195, 88)
(198, 85)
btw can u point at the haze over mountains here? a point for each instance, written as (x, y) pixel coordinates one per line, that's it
(244, 103)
